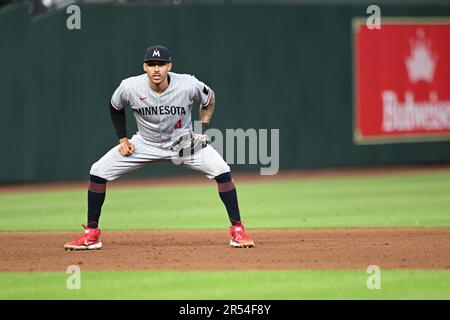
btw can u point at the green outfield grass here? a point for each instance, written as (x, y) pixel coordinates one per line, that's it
(413, 200)
(416, 200)
(170, 285)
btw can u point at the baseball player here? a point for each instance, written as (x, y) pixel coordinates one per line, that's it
(161, 102)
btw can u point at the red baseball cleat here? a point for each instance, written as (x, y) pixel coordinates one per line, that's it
(239, 238)
(90, 240)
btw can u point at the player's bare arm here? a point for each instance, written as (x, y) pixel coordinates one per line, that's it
(207, 111)
(126, 148)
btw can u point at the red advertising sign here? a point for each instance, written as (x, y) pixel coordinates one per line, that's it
(402, 81)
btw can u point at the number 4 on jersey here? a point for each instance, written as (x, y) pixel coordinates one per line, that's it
(178, 124)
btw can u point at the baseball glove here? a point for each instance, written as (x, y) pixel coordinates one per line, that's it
(190, 143)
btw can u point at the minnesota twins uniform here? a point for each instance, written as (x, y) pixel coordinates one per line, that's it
(161, 120)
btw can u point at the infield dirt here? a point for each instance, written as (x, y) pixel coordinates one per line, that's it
(352, 248)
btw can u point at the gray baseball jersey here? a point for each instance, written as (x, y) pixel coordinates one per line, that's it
(161, 118)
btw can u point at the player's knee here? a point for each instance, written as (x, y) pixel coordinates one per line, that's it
(224, 177)
(224, 168)
(94, 169)
(97, 172)
(97, 179)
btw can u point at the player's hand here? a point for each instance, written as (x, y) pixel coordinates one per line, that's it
(126, 147)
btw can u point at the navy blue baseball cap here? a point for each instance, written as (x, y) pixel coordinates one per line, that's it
(158, 53)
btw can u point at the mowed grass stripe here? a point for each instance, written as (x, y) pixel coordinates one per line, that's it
(307, 284)
(407, 200)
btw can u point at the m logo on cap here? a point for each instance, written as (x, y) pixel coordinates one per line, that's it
(155, 53)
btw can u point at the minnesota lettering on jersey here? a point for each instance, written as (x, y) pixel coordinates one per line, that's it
(155, 110)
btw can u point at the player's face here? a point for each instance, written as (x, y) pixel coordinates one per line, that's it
(157, 71)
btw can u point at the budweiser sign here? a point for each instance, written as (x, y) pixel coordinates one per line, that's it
(402, 82)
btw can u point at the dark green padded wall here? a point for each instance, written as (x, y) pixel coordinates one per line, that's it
(271, 66)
